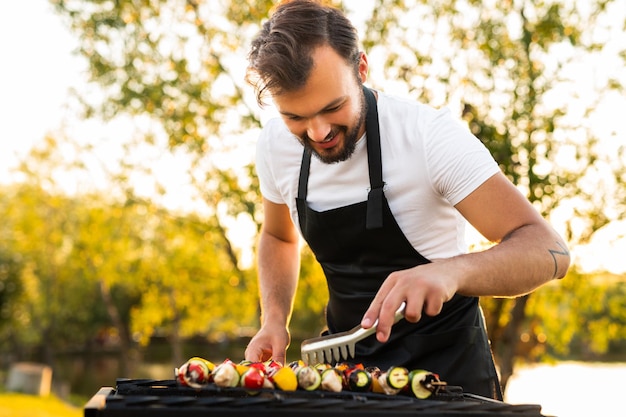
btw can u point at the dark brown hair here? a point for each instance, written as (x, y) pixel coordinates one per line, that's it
(280, 55)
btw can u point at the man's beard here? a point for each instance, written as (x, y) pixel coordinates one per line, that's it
(350, 139)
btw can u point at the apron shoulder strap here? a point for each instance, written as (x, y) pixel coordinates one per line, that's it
(374, 216)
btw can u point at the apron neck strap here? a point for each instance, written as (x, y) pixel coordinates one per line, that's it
(374, 219)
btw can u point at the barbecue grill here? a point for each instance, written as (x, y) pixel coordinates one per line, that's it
(165, 398)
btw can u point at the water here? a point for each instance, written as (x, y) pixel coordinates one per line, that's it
(571, 389)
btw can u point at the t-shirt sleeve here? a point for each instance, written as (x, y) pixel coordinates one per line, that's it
(458, 162)
(267, 180)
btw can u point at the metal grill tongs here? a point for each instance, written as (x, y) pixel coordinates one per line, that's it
(339, 346)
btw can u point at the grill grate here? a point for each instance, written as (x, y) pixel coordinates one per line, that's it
(164, 398)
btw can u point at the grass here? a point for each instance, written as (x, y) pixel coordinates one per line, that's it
(22, 405)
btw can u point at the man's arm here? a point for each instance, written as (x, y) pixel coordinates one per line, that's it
(528, 254)
(278, 268)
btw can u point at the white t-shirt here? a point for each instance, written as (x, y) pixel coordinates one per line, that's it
(430, 163)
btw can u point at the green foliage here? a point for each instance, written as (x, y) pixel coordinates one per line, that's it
(37, 226)
(10, 286)
(178, 62)
(310, 304)
(180, 65)
(511, 71)
(581, 316)
(188, 286)
(94, 264)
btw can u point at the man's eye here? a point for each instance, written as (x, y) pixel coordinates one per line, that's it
(332, 109)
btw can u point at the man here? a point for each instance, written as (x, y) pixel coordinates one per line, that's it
(381, 204)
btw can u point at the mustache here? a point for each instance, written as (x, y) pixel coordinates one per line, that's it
(333, 132)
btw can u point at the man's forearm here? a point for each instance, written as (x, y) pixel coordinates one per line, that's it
(523, 261)
(278, 268)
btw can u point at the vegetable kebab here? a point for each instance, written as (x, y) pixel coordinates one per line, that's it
(255, 376)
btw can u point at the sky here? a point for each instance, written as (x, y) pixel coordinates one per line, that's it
(36, 73)
(39, 69)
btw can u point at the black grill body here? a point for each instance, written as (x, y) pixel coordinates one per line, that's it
(165, 398)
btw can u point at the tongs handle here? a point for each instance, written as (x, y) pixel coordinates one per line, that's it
(340, 345)
(362, 333)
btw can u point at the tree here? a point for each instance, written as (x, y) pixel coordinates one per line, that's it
(44, 225)
(10, 289)
(113, 264)
(591, 321)
(173, 64)
(50, 313)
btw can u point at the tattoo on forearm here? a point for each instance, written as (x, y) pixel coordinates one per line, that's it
(554, 253)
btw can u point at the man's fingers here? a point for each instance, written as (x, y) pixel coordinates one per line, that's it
(413, 310)
(256, 353)
(386, 318)
(279, 357)
(371, 315)
(252, 354)
(378, 305)
(433, 306)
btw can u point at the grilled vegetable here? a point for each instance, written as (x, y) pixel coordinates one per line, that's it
(389, 382)
(272, 364)
(384, 387)
(225, 374)
(397, 377)
(321, 367)
(359, 380)
(295, 365)
(195, 373)
(375, 374)
(343, 366)
(422, 383)
(283, 378)
(252, 379)
(332, 380)
(309, 378)
(242, 367)
(267, 384)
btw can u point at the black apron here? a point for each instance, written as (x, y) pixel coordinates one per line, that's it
(358, 246)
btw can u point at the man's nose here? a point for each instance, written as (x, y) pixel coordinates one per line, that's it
(318, 129)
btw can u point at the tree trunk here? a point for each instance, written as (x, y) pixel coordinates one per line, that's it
(175, 340)
(510, 340)
(128, 357)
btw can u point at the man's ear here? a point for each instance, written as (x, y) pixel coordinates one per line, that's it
(363, 67)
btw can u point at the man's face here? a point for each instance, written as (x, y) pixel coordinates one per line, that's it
(327, 115)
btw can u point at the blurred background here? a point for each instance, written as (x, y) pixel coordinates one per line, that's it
(130, 206)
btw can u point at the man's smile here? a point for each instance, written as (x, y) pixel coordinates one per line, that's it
(329, 142)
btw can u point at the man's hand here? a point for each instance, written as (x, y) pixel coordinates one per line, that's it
(269, 343)
(424, 288)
